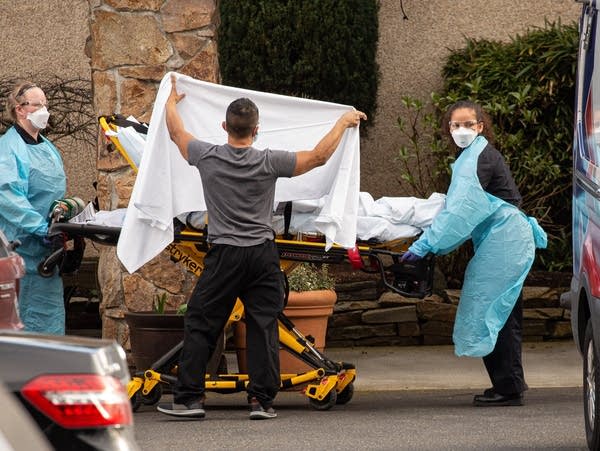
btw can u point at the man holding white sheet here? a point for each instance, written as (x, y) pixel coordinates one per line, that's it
(239, 185)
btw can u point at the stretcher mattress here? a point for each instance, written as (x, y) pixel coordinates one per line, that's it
(384, 219)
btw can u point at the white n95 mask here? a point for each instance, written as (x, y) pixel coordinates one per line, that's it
(39, 118)
(463, 137)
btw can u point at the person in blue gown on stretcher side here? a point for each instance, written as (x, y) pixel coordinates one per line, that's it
(483, 204)
(31, 178)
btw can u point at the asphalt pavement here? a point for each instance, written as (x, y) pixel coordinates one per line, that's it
(552, 364)
(546, 365)
(415, 420)
(417, 398)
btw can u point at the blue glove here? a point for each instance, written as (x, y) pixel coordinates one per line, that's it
(409, 257)
(55, 241)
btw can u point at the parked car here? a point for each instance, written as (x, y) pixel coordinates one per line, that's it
(18, 432)
(73, 388)
(584, 294)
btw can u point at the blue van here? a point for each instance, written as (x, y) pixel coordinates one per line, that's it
(584, 294)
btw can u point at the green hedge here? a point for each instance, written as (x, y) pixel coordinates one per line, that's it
(320, 49)
(528, 87)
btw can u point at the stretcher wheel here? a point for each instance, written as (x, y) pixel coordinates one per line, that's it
(346, 394)
(326, 403)
(153, 397)
(136, 400)
(44, 271)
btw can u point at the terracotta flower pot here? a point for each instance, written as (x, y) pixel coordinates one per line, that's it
(309, 311)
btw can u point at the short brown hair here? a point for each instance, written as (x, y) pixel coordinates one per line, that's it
(241, 117)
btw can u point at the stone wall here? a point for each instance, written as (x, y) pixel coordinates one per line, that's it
(132, 45)
(365, 315)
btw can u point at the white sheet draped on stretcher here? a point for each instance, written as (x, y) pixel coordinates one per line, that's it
(167, 186)
(384, 219)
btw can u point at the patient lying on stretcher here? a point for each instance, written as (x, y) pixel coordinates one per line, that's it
(384, 219)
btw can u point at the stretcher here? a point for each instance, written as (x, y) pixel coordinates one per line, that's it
(328, 382)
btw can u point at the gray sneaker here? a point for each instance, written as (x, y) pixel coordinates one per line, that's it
(258, 412)
(194, 409)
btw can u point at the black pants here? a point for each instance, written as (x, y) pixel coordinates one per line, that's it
(252, 274)
(504, 364)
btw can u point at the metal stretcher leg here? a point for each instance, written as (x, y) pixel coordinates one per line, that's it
(214, 366)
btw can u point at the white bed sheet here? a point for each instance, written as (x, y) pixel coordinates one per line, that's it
(384, 219)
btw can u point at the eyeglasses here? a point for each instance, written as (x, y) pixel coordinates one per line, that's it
(454, 125)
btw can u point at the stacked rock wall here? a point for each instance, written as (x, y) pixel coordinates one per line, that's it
(132, 45)
(366, 315)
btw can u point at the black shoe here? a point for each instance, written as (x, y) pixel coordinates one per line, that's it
(489, 392)
(491, 398)
(193, 409)
(258, 412)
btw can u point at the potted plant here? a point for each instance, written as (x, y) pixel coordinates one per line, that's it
(310, 303)
(153, 333)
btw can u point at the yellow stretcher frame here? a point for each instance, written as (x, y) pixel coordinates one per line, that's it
(107, 124)
(327, 384)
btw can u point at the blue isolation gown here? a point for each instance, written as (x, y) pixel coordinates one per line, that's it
(504, 239)
(31, 178)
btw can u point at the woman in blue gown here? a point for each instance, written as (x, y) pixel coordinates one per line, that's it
(31, 178)
(482, 204)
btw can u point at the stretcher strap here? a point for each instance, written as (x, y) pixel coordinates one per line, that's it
(121, 121)
(287, 219)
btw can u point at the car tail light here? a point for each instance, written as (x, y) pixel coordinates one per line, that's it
(77, 401)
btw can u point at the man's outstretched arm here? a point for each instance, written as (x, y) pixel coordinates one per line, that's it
(310, 159)
(177, 132)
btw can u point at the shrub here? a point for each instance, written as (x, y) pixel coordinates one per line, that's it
(527, 85)
(425, 159)
(321, 49)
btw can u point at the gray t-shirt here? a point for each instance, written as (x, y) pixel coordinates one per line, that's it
(239, 189)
